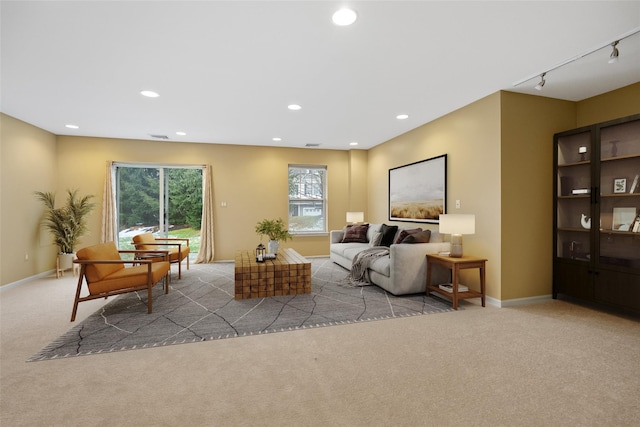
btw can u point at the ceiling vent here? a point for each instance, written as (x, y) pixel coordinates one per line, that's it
(312, 145)
(158, 136)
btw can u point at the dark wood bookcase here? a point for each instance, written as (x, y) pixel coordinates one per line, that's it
(596, 217)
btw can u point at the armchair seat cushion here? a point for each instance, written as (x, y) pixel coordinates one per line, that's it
(129, 277)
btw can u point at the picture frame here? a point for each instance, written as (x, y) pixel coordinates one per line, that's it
(623, 218)
(418, 191)
(619, 185)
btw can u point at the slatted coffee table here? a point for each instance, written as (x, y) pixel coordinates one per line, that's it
(288, 274)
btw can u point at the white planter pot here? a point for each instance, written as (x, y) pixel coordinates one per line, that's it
(66, 261)
(272, 247)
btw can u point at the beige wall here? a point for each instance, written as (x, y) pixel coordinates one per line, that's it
(528, 124)
(609, 106)
(27, 164)
(470, 137)
(251, 180)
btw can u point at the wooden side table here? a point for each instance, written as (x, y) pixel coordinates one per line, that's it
(455, 265)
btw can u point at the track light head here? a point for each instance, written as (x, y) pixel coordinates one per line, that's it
(613, 58)
(542, 82)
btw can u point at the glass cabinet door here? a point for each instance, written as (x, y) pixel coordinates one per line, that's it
(573, 215)
(619, 239)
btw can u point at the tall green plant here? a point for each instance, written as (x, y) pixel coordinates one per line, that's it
(68, 223)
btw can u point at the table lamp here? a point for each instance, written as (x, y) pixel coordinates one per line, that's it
(457, 225)
(355, 217)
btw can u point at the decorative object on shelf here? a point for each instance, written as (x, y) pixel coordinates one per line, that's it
(619, 185)
(276, 230)
(585, 222)
(418, 191)
(623, 219)
(260, 253)
(579, 191)
(634, 185)
(67, 223)
(582, 150)
(575, 249)
(355, 217)
(635, 227)
(614, 148)
(457, 225)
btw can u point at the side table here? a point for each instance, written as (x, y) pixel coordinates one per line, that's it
(455, 265)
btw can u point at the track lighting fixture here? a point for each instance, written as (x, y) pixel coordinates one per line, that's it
(542, 82)
(612, 58)
(614, 53)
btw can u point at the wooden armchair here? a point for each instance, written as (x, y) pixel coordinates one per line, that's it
(178, 249)
(105, 273)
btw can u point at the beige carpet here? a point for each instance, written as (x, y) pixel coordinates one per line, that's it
(549, 364)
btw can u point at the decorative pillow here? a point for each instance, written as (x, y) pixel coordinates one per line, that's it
(355, 233)
(377, 238)
(388, 232)
(404, 233)
(419, 237)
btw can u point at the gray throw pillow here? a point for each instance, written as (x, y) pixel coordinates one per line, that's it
(420, 237)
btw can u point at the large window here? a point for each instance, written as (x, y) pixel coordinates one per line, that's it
(164, 200)
(307, 199)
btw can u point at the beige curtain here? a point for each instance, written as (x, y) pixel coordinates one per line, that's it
(109, 225)
(206, 230)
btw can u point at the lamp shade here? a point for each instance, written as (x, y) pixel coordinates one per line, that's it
(457, 224)
(355, 217)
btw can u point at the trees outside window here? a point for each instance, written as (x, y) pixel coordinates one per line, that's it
(162, 200)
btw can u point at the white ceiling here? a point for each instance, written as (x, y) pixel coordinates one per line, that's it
(226, 70)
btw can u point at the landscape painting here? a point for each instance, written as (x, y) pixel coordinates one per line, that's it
(418, 191)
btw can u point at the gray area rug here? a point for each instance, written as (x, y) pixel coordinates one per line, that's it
(201, 307)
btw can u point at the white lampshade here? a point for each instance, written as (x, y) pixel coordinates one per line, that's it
(457, 224)
(354, 217)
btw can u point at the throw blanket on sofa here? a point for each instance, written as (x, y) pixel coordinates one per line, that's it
(359, 274)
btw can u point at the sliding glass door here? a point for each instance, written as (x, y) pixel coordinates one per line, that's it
(166, 201)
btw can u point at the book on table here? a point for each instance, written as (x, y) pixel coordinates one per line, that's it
(448, 287)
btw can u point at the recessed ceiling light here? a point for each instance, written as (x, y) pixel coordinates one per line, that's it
(276, 139)
(181, 133)
(353, 143)
(344, 17)
(149, 93)
(402, 116)
(72, 126)
(294, 107)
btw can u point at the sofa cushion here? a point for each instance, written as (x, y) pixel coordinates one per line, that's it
(388, 233)
(372, 230)
(376, 239)
(355, 233)
(420, 237)
(342, 248)
(404, 233)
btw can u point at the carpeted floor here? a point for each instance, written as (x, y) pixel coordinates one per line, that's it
(201, 307)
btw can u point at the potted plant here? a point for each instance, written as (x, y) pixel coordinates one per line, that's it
(276, 230)
(67, 223)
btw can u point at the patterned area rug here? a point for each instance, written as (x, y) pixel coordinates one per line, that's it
(201, 307)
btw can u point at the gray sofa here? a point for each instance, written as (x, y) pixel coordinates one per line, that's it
(404, 270)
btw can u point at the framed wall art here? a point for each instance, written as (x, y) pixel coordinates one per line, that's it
(619, 185)
(418, 191)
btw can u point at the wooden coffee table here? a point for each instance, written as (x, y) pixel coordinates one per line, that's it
(288, 274)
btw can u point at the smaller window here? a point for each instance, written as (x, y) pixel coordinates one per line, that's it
(307, 199)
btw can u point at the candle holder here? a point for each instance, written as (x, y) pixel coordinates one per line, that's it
(260, 253)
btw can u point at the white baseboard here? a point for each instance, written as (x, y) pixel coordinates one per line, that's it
(27, 280)
(517, 301)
